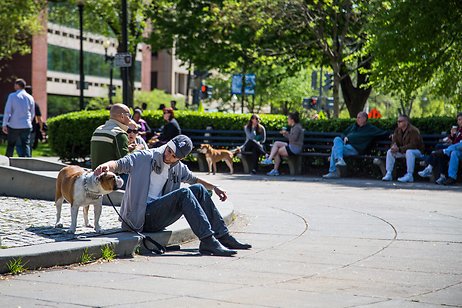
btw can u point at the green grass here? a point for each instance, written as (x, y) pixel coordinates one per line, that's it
(108, 253)
(43, 149)
(86, 257)
(16, 266)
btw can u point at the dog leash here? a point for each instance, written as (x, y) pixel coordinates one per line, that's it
(158, 248)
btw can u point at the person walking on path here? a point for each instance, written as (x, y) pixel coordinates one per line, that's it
(283, 149)
(154, 200)
(406, 142)
(17, 119)
(354, 141)
(110, 141)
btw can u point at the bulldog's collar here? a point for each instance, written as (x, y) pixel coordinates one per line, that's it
(90, 194)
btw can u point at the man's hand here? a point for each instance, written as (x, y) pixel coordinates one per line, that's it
(394, 148)
(131, 147)
(345, 140)
(5, 130)
(220, 193)
(109, 166)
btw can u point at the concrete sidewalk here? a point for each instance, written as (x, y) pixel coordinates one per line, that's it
(316, 243)
(27, 232)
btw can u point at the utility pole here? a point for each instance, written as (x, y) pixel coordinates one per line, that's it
(124, 48)
(80, 5)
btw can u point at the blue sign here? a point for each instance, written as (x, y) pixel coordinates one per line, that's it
(236, 84)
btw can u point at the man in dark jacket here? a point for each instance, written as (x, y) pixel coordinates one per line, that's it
(354, 141)
(406, 142)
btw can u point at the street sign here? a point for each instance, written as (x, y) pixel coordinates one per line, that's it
(123, 59)
(236, 84)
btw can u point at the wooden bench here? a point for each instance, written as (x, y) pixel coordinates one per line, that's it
(225, 139)
(219, 139)
(315, 145)
(319, 144)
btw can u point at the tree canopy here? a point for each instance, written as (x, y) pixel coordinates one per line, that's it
(19, 20)
(417, 44)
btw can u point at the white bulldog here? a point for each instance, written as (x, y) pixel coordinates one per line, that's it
(82, 188)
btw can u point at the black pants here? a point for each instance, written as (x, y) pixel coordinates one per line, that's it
(257, 150)
(439, 162)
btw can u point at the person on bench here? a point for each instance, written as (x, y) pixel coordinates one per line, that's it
(354, 141)
(255, 134)
(437, 159)
(406, 142)
(283, 149)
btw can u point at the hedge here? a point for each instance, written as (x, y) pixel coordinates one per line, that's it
(70, 134)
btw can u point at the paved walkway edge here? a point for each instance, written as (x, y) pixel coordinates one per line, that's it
(125, 244)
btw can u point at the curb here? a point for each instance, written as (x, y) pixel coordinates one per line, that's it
(125, 244)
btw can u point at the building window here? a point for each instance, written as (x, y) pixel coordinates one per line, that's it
(153, 80)
(66, 60)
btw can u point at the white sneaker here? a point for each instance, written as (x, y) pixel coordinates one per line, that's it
(340, 162)
(388, 177)
(427, 172)
(267, 161)
(441, 180)
(331, 175)
(407, 178)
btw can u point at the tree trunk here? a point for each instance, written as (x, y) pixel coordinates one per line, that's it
(355, 97)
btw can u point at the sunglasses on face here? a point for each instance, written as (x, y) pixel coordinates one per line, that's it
(135, 131)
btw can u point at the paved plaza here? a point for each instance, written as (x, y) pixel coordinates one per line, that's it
(317, 243)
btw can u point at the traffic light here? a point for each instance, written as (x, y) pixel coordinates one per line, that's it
(209, 91)
(328, 82)
(206, 91)
(310, 103)
(314, 80)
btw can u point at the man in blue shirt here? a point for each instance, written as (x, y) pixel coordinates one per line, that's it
(17, 119)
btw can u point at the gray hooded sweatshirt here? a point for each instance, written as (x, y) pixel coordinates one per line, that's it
(139, 166)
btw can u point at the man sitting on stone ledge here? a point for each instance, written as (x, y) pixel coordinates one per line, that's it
(154, 200)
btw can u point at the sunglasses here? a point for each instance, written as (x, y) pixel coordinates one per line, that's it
(135, 131)
(166, 112)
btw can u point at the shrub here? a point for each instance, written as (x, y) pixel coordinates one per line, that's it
(70, 134)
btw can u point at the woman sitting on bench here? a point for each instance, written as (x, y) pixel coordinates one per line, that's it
(255, 134)
(283, 149)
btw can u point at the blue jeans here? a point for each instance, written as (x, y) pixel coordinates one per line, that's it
(24, 135)
(456, 156)
(339, 150)
(194, 203)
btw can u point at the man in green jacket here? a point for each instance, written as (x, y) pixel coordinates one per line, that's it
(354, 141)
(110, 141)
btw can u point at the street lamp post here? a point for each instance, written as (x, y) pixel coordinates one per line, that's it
(124, 48)
(109, 59)
(80, 4)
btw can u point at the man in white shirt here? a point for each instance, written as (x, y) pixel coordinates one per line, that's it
(153, 197)
(17, 119)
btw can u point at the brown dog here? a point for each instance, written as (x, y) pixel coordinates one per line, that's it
(213, 156)
(81, 188)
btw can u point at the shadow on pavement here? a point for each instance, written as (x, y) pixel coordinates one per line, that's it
(349, 182)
